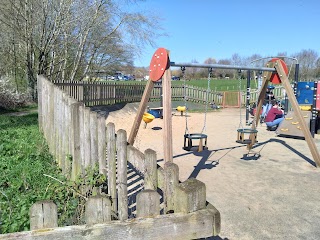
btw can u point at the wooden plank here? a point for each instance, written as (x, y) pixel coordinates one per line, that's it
(167, 117)
(141, 109)
(122, 174)
(111, 163)
(306, 132)
(176, 226)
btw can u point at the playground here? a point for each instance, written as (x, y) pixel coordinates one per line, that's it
(274, 196)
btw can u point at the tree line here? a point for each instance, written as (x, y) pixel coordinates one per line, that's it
(68, 39)
(308, 60)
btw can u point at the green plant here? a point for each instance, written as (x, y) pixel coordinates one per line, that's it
(24, 162)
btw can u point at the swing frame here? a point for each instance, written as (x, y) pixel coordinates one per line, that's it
(272, 67)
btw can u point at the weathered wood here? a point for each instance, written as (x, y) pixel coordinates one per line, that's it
(50, 118)
(93, 139)
(167, 117)
(75, 139)
(171, 177)
(176, 226)
(148, 203)
(122, 174)
(82, 139)
(141, 109)
(40, 80)
(102, 144)
(111, 163)
(98, 210)
(43, 214)
(136, 158)
(190, 196)
(87, 145)
(150, 174)
(306, 132)
(216, 219)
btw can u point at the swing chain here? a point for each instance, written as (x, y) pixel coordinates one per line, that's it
(240, 98)
(207, 100)
(185, 98)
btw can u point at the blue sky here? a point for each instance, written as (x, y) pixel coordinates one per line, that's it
(199, 29)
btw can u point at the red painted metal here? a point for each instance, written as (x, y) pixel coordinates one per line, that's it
(275, 79)
(158, 65)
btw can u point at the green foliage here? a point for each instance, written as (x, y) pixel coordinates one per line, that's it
(29, 174)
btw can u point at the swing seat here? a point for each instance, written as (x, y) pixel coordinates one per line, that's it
(241, 135)
(195, 136)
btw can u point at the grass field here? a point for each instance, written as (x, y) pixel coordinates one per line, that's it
(215, 84)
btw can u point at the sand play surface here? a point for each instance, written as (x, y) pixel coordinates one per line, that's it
(273, 197)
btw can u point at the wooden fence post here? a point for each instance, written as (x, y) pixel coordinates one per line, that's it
(190, 196)
(93, 138)
(40, 81)
(98, 210)
(87, 145)
(122, 174)
(111, 162)
(148, 203)
(75, 139)
(102, 144)
(43, 214)
(171, 175)
(151, 174)
(81, 136)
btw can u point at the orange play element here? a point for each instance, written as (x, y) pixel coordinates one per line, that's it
(159, 64)
(275, 79)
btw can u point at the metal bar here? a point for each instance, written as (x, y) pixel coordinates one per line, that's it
(220, 66)
(248, 98)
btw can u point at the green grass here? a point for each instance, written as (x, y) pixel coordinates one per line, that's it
(24, 158)
(215, 84)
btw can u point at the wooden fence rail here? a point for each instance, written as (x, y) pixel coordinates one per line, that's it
(105, 93)
(79, 139)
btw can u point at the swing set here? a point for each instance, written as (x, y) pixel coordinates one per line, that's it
(275, 72)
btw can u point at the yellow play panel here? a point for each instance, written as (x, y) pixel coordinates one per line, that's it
(291, 127)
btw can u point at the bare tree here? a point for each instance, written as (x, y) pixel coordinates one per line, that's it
(307, 64)
(66, 39)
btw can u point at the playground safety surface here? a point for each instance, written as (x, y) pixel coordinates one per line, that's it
(275, 196)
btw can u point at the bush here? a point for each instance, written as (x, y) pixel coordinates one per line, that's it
(10, 98)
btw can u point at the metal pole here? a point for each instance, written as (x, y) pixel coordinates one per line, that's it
(314, 111)
(248, 98)
(221, 66)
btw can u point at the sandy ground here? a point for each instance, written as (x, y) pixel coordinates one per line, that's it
(273, 197)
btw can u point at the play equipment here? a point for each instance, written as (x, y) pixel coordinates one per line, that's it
(188, 137)
(275, 66)
(147, 118)
(181, 109)
(246, 136)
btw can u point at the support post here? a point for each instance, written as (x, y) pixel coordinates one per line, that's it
(297, 111)
(143, 104)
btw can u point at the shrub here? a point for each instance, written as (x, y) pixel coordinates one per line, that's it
(10, 98)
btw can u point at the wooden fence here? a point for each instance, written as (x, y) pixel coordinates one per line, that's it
(105, 93)
(79, 139)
